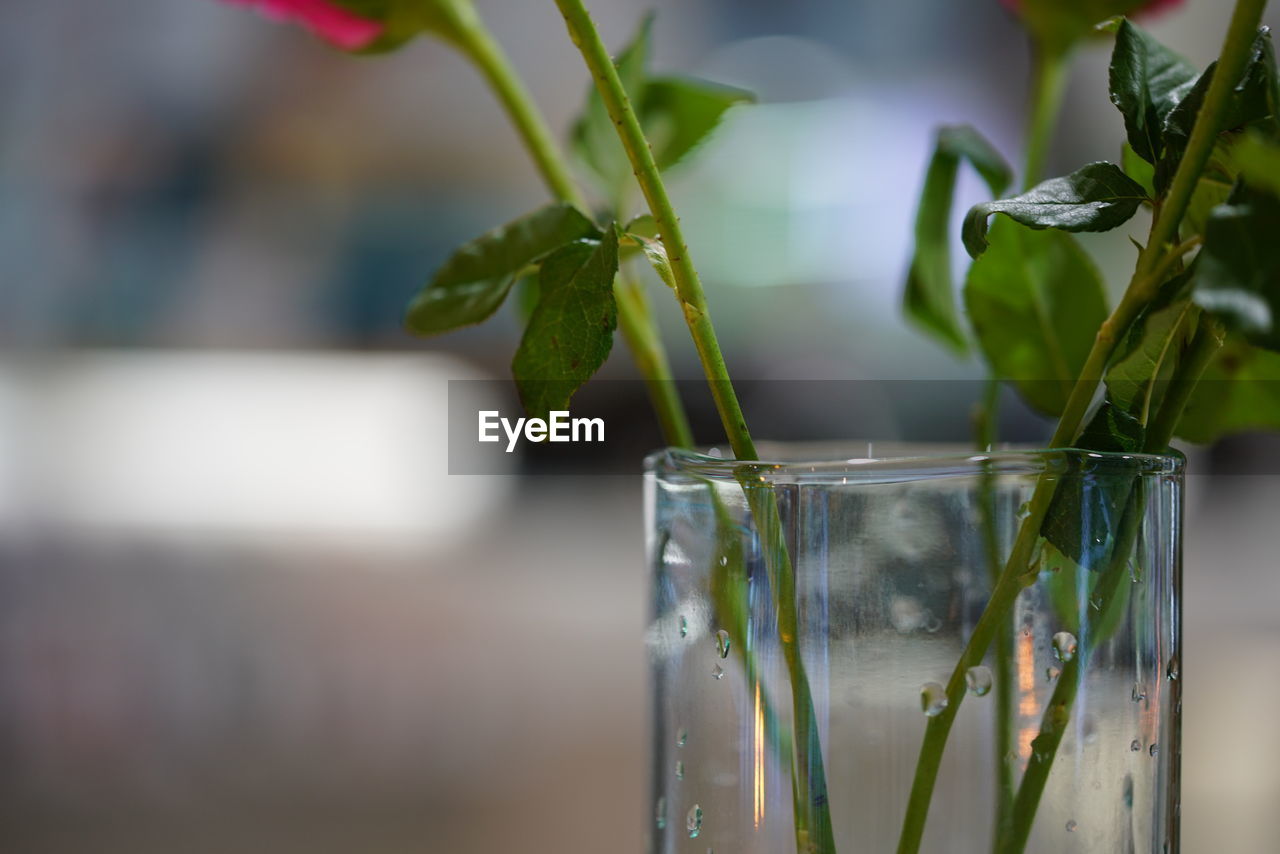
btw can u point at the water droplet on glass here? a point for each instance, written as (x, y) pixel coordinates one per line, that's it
(933, 699)
(681, 737)
(660, 814)
(679, 770)
(693, 821)
(684, 627)
(1172, 670)
(1051, 673)
(1064, 646)
(1135, 745)
(1138, 694)
(1024, 509)
(1095, 602)
(722, 643)
(931, 623)
(1153, 749)
(979, 680)
(718, 672)
(1071, 826)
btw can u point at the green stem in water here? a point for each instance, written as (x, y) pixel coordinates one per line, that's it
(1049, 76)
(1050, 67)
(634, 319)
(813, 828)
(1142, 289)
(1013, 840)
(985, 432)
(688, 286)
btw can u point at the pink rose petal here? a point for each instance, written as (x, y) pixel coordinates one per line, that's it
(330, 22)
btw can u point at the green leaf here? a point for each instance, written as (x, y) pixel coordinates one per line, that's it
(1112, 430)
(1147, 82)
(1253, 102)
(1097, 197)
(526, 296)
(1146, 359)
(1259, 163)
(476, 279)
(1035, 301)
(1138, 169)
(1239, 393)
(678, 114)
(1238, 274)
(1212, 190)
(1088, 503)
(929, 298)
(571, 331)
(594, 137)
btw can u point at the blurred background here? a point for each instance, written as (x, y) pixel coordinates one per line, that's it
(243, 604)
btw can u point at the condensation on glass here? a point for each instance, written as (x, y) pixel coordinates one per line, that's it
(892, 563)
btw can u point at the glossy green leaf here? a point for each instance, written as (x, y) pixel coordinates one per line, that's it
(1035, 301)
(679, 114)
(1238, 274)
(1147, 82)
(929, 298)
(1239, 393)
(1253, 102)
(571, 331)
(1097, 197)
(476, 279)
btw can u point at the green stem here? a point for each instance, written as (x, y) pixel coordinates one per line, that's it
(1142, 289)
(1057, 712)
(985, 432)
(1049, 83)
(813, 827)
(1049, 77)
(636, 323)
(1236, 47)
(1164, 230)
(1204, 345)
(634, 319)
(688, 286)
(483, 50)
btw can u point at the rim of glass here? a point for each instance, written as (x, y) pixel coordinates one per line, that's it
(787, 462)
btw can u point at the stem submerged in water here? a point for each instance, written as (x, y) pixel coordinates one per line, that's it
(814, 834)
(1142, 289)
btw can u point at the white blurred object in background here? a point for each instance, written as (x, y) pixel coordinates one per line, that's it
(238, 444)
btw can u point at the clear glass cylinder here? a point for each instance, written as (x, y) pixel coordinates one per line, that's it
(832, 637)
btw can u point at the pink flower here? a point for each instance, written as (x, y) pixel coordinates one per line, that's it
(326, 19)
(1139, 8)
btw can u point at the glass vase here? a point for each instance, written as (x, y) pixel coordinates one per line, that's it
(959, 653)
